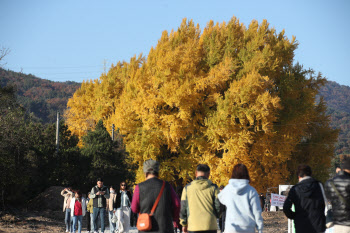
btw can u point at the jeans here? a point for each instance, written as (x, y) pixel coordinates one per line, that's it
(99, 212)
(78, 219)
(111, 225)
(92, 222)
(67, 220)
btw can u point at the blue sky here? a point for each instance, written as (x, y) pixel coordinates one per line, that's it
(72, 40)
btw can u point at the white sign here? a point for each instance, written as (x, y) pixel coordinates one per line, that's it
(277, 200)
(283, 189)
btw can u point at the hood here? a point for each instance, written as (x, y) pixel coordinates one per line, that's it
(202, 183)
(306, 187)
(238, 185)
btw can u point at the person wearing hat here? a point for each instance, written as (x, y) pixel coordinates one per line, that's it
(337, 192)
(145, 195)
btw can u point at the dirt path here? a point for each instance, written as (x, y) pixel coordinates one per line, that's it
(53, 221)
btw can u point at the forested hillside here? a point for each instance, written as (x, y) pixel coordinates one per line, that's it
(42, 98)
(337, 98)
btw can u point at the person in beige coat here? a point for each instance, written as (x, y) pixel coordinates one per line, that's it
(67, 193)
(109, 207)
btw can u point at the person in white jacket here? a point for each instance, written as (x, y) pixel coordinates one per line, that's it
(78, 210)
(242, 201)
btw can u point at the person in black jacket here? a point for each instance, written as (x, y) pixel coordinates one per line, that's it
(309, 203)
(123, 201)
(341, 200)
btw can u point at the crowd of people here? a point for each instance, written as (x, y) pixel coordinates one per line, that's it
(198, 206)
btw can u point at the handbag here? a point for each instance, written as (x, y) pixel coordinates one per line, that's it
(114, 218)
(144, 222)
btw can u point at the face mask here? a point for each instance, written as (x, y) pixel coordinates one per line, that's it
(112, 191)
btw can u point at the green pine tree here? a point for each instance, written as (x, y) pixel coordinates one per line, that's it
(107, 157)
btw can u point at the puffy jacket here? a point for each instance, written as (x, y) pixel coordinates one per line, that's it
(309, 204)
(341, 210)
(200, 205)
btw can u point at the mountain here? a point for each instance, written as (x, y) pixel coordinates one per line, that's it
(337, 98)
(41, 98)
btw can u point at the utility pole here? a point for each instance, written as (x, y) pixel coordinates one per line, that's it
(58, 132)
(113, 132)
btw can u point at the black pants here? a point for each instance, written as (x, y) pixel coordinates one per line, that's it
(88, 220)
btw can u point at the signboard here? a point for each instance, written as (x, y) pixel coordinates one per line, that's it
(277, 200)
(284, 189)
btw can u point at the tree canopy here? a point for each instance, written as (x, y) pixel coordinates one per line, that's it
(230, 94)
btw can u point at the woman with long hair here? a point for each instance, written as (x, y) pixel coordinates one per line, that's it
(243, 210)
(122, 204)
(78, 207)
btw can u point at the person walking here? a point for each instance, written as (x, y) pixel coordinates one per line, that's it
(337, 192)
(88, 217)
(177, 225)
(123, 202)
(222, 218)
(307, 197)
(67, 193)
(262, 201)
(99, 194)
(110, 205)
(243, 210)
(200, 206)
(78, 207)
(146, 193)
(90, 209)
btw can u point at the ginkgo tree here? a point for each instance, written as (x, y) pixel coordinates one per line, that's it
(228, 94)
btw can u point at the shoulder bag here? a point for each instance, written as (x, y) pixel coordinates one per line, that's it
(144, 222)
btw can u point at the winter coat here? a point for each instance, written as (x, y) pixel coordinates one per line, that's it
(199, 205)
(341, 210)
(243, 213)
(307, 197)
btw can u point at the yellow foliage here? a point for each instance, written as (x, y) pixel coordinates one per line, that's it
(225, 96)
